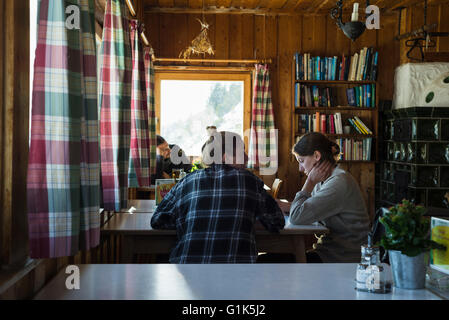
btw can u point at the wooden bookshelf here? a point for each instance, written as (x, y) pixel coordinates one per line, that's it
(369, 115)
(362, 170)
(336, 81)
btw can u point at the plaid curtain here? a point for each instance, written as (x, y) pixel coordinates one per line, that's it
(63, 167)
(149, 77)
(115, 103)
(139, 162)
(263, 137)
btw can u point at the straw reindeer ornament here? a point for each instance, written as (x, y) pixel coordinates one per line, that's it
(200, 44)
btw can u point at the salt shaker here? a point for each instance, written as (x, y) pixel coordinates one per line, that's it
(372, 275)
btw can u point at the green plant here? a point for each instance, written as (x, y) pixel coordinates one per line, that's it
(197, 165)
(406, 230)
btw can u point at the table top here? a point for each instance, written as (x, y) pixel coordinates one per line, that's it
(324, 281)
(140, 223)
(137, 206)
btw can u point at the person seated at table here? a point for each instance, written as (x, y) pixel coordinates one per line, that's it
(162, 160)
(331, 196)
(214, 210)
(178, 159)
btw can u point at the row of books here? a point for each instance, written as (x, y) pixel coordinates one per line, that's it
(355, 150)
(360, 66)
(314, 96)
(362, 96)
(328, 123)
(324, 123)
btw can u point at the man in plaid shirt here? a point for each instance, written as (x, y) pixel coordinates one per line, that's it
(214, 210)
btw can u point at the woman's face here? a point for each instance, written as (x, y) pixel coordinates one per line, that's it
(306, 163)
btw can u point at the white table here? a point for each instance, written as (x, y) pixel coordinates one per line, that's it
(220, 281)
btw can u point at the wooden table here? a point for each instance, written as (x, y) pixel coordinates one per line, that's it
(283, 281)
(139, 238)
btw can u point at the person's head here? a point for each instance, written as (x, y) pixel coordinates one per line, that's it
(314, 147)
(162, 147)
(225, 147)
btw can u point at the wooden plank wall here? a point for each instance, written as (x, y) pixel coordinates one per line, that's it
(247, 36)
(25, 283)
(413, 18)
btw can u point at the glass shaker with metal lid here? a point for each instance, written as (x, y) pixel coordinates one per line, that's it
(372, 275)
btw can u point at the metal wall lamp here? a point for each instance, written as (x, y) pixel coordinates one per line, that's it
(352, 29)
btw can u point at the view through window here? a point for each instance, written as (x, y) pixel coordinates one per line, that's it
(187, 107)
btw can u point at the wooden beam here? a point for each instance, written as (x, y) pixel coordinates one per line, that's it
(14, 131)
(4, 239)
(217, 10)
(238, 61)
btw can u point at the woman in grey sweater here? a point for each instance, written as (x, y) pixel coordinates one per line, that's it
(332, 197)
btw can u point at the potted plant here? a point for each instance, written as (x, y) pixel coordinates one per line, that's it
(407, 239)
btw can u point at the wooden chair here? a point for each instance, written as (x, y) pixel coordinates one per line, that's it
(277, 183)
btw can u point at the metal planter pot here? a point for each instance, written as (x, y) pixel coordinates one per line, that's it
(408, 272)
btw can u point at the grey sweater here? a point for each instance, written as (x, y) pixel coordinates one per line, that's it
(338, 204)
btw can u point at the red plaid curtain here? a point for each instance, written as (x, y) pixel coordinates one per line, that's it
(263, 138)
(139, 162)
(115, 102)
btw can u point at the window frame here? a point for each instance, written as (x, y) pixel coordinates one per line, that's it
(205, 75)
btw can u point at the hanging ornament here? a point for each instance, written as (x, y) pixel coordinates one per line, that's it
(201, 44)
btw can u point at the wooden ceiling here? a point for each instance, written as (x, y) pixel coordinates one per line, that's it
(271, 6)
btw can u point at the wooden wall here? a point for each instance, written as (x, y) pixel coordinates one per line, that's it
(248, 36)
(413, 18)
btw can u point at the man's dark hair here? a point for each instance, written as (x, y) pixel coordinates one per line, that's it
(224, 136)
(159, 140)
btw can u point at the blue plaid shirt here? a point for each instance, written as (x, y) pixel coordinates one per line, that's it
(214, 211)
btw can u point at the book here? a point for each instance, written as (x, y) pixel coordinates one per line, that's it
(315, 96)
(338, 123)
(316, 119)
(354, 66)
(366, 66)
(357, 96)
(374, 72)
(308, 96)
(332, 124)
(361, 129)
(361, 64)
(347, 66)
(363, 125)
(351, 97)
(354, 126)
(163, 186)
(323, 124)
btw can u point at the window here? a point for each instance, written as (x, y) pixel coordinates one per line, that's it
(187, 102)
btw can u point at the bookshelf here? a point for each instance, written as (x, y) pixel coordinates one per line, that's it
(362, 164)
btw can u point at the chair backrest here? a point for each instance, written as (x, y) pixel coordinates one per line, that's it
(277, 183)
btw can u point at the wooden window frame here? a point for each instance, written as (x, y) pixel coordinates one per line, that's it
(203, 75)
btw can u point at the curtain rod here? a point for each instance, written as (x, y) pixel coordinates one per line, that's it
(268, 61)
(132, 11)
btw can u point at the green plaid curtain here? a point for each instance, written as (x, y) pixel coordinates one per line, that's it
(263, 138)
(115, 103)
(149, 77)
(63, 167)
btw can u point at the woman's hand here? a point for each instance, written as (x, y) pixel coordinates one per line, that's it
(320, 172)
